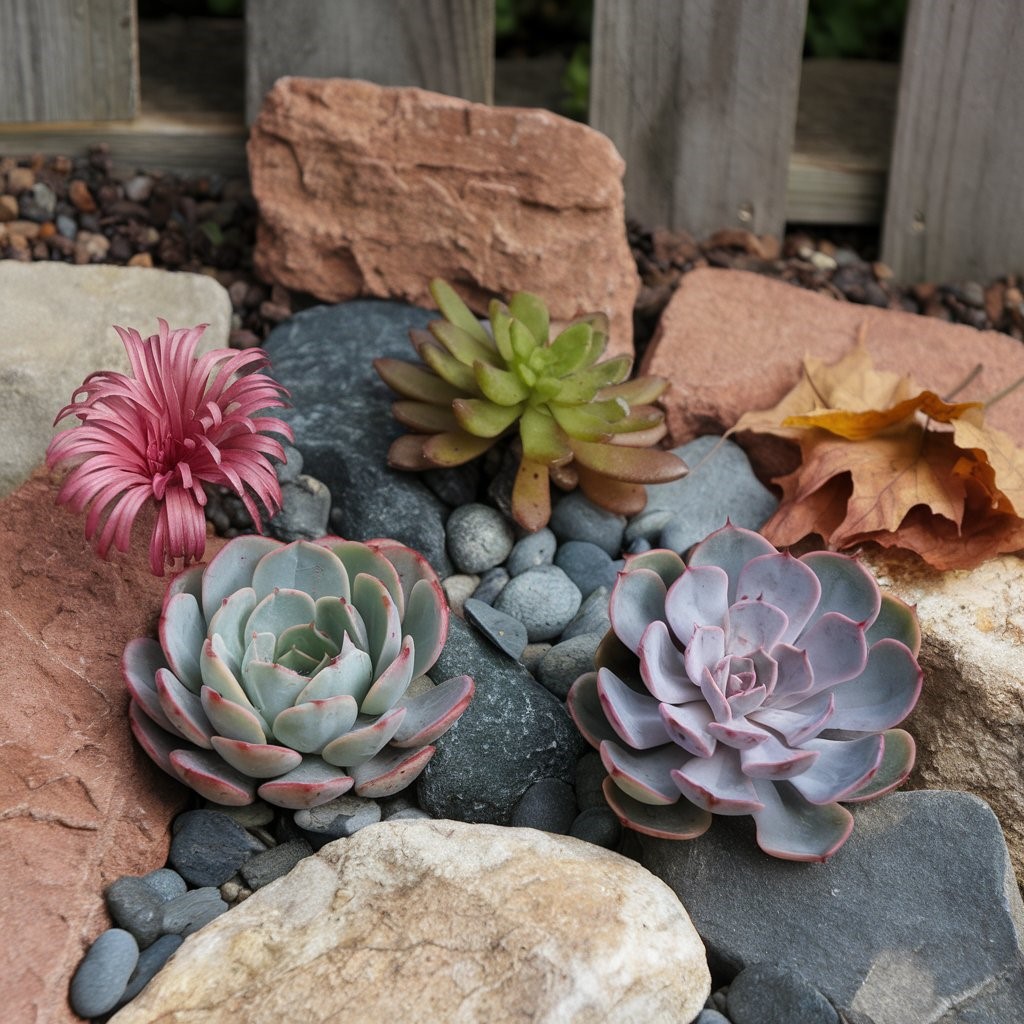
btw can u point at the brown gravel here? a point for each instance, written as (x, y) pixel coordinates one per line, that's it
(79, 211)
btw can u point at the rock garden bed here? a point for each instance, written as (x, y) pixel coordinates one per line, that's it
(501, 883)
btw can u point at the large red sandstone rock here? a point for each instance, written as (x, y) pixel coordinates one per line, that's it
(367, 190)
(732, 341)
(80, 804)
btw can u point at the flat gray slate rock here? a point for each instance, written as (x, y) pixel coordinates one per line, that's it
(720, 485)
(916, 919)
(341, 415)
(505, 632)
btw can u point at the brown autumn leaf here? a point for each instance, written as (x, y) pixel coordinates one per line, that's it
(886, 461)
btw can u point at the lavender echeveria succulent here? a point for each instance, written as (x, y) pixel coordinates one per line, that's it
(750, 682)
(296, 672)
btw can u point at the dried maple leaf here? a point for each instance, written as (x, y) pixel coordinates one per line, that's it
(886, 461)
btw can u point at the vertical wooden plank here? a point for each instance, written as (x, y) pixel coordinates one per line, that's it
(700, 97)
(955, 208)
(443, 45)
(68, 60)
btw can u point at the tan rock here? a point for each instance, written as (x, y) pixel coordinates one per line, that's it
(969, 720)
(732, 341)
(373, 191)
(56, 329)
(442, 921)
(80, 804)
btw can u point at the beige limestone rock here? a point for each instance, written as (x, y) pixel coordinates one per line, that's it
(80, 804)
(373, 191)
(430, 921)
(969, 720)
(56, 328)
(732, 341)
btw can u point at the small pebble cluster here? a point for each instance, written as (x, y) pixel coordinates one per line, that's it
(80, 211)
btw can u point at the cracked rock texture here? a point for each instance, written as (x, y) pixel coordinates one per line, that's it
(80, 804)
(367, 190)
(969, 720)
(717, 318)
(442, 921)
(56, 329)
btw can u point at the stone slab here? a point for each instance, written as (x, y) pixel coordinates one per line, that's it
(442, 921)
(731, 341)
(969, 719)
(367, 190)
(56, 328)
(80, 803)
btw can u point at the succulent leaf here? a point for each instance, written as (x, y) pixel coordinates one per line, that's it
(424, 417)
(484, 418)
(303, 670)
(414, 382)
(456, 312)
(445, 451)
(750, 682)
(529, 311)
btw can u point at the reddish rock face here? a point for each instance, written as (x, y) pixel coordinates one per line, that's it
(80, 804)
(732, 341)
(372, 191)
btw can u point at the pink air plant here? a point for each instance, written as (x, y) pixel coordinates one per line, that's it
(175, 423)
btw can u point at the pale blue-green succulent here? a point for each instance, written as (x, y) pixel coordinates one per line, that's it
(296, 672)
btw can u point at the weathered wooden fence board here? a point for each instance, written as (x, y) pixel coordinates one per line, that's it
(68, 60)
(955, 207)
(443, 45)
(700, 96)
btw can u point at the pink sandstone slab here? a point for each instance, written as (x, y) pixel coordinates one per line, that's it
(732, 341)
(80, 804)
(367, 190)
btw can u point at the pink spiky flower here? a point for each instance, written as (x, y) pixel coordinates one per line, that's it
(175, 423)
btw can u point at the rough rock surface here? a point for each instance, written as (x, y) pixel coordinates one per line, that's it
(513, 733)
(442, 921)
(732, 341)
(80, 804)
(341, 415)
(56, 329)
(369, 190)
(969, 719)
(915, 920)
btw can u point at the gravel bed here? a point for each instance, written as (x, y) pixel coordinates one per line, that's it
(79, 211)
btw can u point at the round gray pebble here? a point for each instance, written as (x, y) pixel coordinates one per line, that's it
(136, 907)
(766, 994)
(102, 976)
(592, 616)
(491, 585)
(166, 883)
(289, 471)
(587, 565)
(479, 537)
(548, 805)
(576, 517)
(209, 847)
(532, 654)
(567, 661)
(150, 961)
(709, 1016)
(597, 825)
(532, 550)
(543, 599)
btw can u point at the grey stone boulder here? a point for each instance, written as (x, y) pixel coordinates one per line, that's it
(57, 328)
(341, 415)
(720, 485)
(917, 919)
(512, 734)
